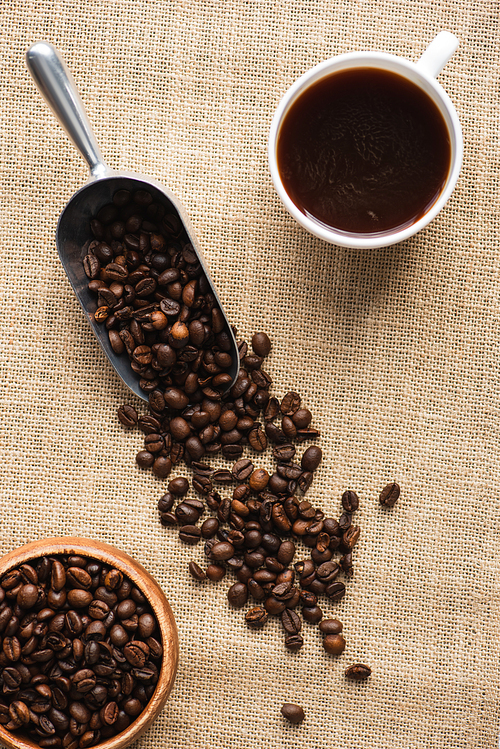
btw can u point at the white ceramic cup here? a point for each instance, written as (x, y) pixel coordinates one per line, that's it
(423, 74)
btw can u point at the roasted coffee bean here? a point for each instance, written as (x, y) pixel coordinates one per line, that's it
(358, 672)
(335, 591)
(330, 627)
(290, 404)
(345, 521)
(334, 644)
(202, 484)
(27, 596)
(222, 476)
(261, 344)
(76, 577)
(291, 621)
(237, 595)
(190, 534)
(350, 537)
(79, 599)
(293, 713)
(257, 439)
(302, 418)
(312, 614)
(273, 606)
(389, 495)
(144, 459)
(178, 486)
(294, 642)
(256, 618)
(311, 458)
(127, 415)
(242, 469)
(196, 572)
(215, 572)
(222, 551)
(350, 501)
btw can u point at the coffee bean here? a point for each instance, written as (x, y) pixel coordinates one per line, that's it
(144, 459)
(222, 476)
(237, 595)
(196, 572)
(190, 534)
(358, 672)
(350, 537)
(350, 501)
(242, 469)
(257, 439)
(291, 621)
(331, 627)
(290, 404)
(178, 486)
(311, 458)
(222, 551)
(127, 415)
(273, 606)
(334, 644)
(335, 591)
(292, 712)
(27, 596)
(261, 344)
(215, 572)
(389, 495)
(256, 617)
(294, 642)
(312, 614)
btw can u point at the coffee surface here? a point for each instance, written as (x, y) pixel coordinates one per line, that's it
(364, 151)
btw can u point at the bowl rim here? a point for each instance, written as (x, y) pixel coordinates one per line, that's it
(133, 569)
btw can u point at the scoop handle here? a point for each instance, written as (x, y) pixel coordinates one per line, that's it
(57, 86)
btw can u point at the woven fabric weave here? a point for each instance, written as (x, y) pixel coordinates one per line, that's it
(395, 351)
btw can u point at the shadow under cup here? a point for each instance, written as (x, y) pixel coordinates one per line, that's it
(365, 149)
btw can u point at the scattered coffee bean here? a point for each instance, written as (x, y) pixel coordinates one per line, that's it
(389, 495)
(196, 572)
(334, 644)
(358, 672)
(293, 713)
(330, 627)
(350, 501)
(261, 344)
(127, 415)
(237, 595)
(256, 617)
(174, 336)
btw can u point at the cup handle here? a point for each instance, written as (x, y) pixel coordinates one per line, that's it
(438, 53)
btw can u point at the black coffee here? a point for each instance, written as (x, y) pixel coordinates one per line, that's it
(364, 151)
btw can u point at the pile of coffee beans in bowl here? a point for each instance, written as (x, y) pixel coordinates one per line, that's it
(80, 651)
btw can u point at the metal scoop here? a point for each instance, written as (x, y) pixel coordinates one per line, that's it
(73, 230)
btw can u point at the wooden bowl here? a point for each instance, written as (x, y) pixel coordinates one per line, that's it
(148, 586)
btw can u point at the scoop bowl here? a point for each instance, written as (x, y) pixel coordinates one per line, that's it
(73, 230)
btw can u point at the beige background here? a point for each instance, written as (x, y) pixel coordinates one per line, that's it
(395, 351)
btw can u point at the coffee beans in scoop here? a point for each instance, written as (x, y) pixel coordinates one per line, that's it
(80, 651)
(156, 303)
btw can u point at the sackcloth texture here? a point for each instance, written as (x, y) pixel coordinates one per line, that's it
(395, 351)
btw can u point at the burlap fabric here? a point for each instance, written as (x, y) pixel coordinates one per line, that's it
(395, 351)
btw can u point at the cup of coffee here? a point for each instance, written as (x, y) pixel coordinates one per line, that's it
(366, 148)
